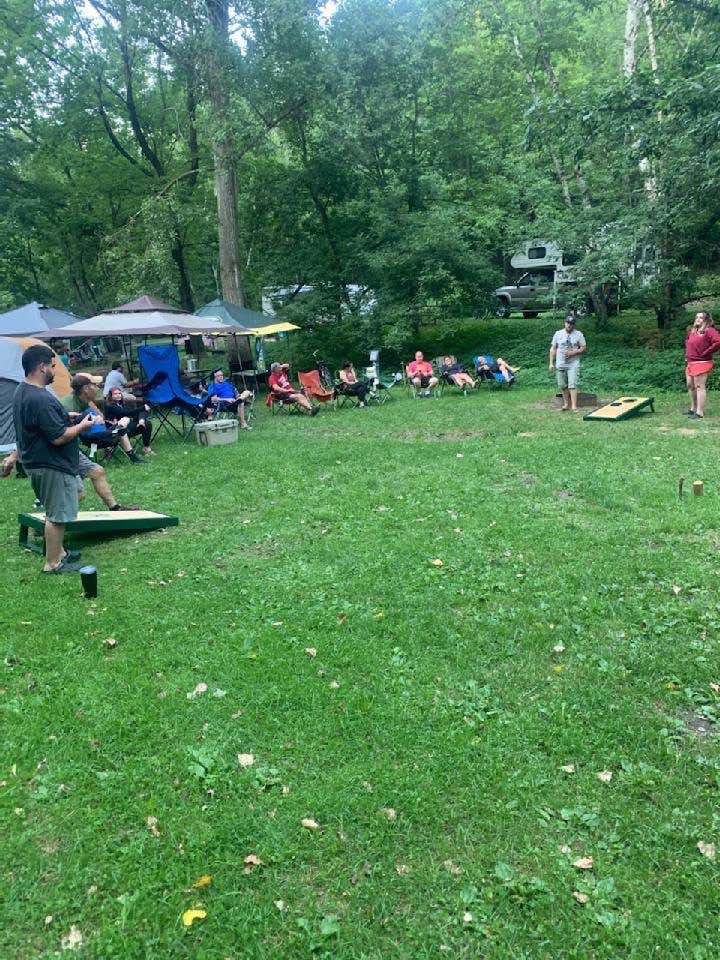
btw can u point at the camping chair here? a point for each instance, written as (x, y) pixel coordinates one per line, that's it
(380, 390)
(342, 398)
(105, 443)
(279, 406)
(313, 389)
(164, 393)
(419, 392)
(495, 379)
(446, 379)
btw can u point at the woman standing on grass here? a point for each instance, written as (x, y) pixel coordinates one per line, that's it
(702, 341)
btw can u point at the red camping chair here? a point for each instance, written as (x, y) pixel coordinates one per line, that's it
(313, 389)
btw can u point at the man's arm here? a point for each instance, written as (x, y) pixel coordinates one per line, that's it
(551, 358)
(74, 431)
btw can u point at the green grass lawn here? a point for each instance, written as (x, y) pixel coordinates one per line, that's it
(575, 620)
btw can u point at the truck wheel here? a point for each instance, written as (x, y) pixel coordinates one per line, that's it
(503, 309)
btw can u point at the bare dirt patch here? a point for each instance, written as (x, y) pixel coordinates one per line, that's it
(697, 725)
(411, 436)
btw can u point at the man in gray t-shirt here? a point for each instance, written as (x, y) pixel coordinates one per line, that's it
(565, 350)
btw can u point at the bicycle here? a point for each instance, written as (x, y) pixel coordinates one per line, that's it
(326, 378)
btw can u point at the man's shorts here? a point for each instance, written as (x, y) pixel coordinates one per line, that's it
(58, 492)
(569, 377)
(424, 381)
(86, 465)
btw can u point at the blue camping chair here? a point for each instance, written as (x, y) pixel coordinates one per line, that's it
(494, 378)
(165, 394)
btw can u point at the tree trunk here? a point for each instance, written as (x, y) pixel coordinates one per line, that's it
(231, 279)
(632, 26)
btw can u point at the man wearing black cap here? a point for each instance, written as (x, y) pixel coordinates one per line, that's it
(565, 350)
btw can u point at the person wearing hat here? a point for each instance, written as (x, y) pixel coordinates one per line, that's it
(566, 349)
(282, 389)
(82, 400)
(222, 397)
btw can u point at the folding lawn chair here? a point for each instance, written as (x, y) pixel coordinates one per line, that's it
(277, 405)
(343, 399)
(446, 379)
(380, 390)
(493, 377)
(165, 394)
(313, 389)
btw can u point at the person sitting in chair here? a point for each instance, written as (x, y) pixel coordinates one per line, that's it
(81, 402)
(282, 389)
(487, 371)
(420, 373)
(117, 378)
(350, 385)
(455, 372)
(222, 397)
(135, 421)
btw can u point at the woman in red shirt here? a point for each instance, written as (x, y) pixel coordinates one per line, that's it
(282, 389)
(701, 343)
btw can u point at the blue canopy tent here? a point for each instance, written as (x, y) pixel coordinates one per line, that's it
(34, 318)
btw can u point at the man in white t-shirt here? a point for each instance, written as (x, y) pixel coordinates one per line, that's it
(565, 350)
(116, 378)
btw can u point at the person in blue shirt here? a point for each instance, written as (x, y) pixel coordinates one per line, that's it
(222, 396)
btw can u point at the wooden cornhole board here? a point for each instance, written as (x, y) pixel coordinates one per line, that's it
(97, 521)
(622, 409)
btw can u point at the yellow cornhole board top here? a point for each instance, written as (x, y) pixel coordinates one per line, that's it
(621, 409)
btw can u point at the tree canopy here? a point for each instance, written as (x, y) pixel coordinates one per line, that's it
(198, 148)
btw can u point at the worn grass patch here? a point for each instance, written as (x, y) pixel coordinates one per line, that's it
(444, 725)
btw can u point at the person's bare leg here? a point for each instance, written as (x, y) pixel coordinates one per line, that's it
(102, 487)
(692, 394)
(700, 392)
(54, 551)
(566, 398)
(241, 414)
(572, 391)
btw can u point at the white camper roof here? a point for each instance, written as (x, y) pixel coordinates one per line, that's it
(536, 253)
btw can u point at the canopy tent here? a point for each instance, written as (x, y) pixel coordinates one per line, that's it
(145, 317)
(154, 323)
(250, 321)
(33, 318)
(11, 373)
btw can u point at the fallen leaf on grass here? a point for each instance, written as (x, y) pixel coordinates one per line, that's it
(565, 849)
(557, 668)
(341, 618)
(580, 897)
(568, 768)
(676, 589)
(558, 648)
(285, 790)
(110, 642)
(190, 916)
(584, 863)
(310, 824)
(280, 904)
(197, 691)
(467, 917)
(311, 651)
(389, 813)
(48, 920)
(204, 881)
(334, 685)
(246, 759)
(437, 562)
(605, 776)
(401, 869)
(715, 687)
(251, 861)
(152, 825)
(452, 868)
(706, 849)
(72, 940)
(379, 615)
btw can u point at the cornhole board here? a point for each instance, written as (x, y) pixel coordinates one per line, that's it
(96, 521)
(622, 409)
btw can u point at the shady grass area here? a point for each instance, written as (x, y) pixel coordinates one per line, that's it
(574, 623)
